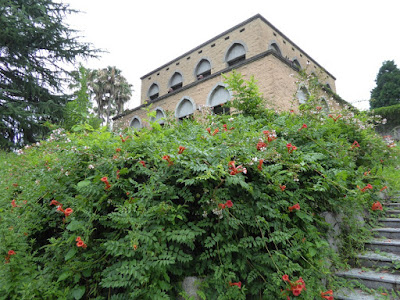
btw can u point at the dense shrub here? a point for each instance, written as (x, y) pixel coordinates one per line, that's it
(213, 197)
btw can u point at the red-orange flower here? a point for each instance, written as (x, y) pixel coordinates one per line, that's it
(285, 277)
(80, 243)
(221, 205)
(282, 187)
(59, 208)
(118, 150)
(355, 145)
(238, 284)
(384, 188)
(14, 204)
(11, 252)
(229, 203)
(181, 149)
(235, 170)
(124, 139)
(54, 202)
(377, 206)
(367, 187)
(334, 119)
(68, 211)
(260, 164)
(261, 145)
(215, 131)
(209, 130)
(327, 295)
(302, 127)
(142, 163)
(294, 207)
(168, 159)
(104, 179)
(290, 147)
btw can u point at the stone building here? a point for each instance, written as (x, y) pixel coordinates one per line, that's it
(253, 47)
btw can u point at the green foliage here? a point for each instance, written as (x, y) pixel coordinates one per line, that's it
(247, 98)
(36, 47)
(389, 118)
(110, 89)
(77, 111)
(151, 212)
(387, 90)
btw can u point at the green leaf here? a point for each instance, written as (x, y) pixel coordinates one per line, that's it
(74, 225)
(312, 251)
(70, 254)
(64, 275)
(78, 292)
(83, 183)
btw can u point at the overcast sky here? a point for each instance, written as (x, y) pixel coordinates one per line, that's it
(349, 38)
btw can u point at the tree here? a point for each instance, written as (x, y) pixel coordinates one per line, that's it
(36, 47)
(387, 90)
(111, 91)
(78, 111)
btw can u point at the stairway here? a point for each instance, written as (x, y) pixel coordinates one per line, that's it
(378, 264)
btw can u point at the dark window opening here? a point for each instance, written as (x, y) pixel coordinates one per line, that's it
(188, 117)
(236, 60)
(296, 65)
(154, 96)
(203, 75)
(221, 110)
(177, 86)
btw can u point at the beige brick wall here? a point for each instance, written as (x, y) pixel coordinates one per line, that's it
(274, 75)
(256, 37)
(275, 81)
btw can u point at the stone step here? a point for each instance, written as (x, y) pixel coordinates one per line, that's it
(390, 222)
(384, 245)
(378, 260)
(387, 232)
(392, 204)
(358, 294)
(393, 212)
(372, 279)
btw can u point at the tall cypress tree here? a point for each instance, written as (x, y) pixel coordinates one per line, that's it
(387, 90)
(36, 46)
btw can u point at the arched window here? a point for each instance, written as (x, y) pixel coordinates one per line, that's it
(328, 86)
(185, 108)
(236, 53)
(217, 98)
(176, 82)
(203, 69)
(136, 123)
(296, 64)
(302, 95)
(153, 91)
(274, 46)
(160, 115)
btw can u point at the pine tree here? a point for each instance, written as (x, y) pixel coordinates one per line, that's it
(387, 90)
(36, 47)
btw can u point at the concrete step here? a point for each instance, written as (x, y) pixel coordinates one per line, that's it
(384, 245)
(390, 222)
(387, 232)
(378, 260)
(394, 205)
(358, 294)
(372, 279)
(393, 212)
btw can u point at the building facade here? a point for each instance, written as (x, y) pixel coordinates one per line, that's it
(253, 48)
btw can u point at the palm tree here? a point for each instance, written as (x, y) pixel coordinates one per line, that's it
(111, 90)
